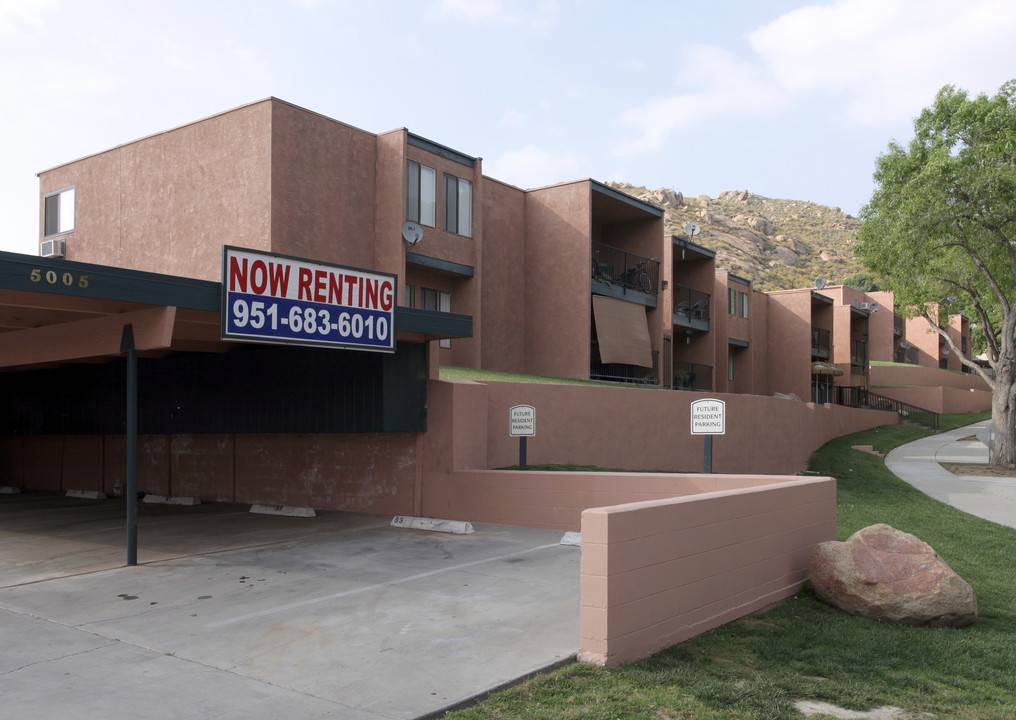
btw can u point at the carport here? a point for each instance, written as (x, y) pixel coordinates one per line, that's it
(74, 338)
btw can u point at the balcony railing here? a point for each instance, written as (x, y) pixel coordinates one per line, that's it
(897, 324)
(858, 354)
(624, 269)
(692, 376)
(620, 372)
(691, 308)
(820, 342)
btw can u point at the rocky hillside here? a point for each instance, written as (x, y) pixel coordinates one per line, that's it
(779, 244)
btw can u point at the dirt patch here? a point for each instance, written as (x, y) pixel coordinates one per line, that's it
(979, 470)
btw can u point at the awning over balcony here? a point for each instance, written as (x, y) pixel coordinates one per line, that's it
(622, 329)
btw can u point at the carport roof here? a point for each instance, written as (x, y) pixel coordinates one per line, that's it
(85, 306)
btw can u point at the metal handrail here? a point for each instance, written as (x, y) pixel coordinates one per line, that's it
(691, 304)
(859, 397)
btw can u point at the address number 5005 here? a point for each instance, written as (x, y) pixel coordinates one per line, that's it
(52, 277)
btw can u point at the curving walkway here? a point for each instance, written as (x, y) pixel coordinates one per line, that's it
(917, 463)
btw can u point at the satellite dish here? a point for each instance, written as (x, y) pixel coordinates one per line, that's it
(819, 283)
(874, 307)
(412, 233)
(692, 229)
(904, 344)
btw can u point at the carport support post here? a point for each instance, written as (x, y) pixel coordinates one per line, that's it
(127, 346)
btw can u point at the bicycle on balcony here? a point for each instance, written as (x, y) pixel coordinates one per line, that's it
(637, 277)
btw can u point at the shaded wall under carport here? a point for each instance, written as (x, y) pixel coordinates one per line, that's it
(301, 426)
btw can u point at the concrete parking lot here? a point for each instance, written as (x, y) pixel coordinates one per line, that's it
(235, 615)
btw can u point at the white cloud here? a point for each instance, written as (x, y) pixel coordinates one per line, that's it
(531, 166)
(540, 15)
(887, 58)
(728, 84)
(17, 13)
(872, 62)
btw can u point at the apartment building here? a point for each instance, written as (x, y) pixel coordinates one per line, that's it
(574, 280)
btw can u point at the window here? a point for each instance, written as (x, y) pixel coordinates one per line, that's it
(737, 302)
(421, 194)
(458, 205)
(410, 296)
(58, 213)
(730, 367)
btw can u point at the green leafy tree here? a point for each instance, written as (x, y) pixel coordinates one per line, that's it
(865, 282)
(940, 229)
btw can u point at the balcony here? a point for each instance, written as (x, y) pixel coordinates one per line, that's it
(897, 325)
(820, 343)
(692, 376)
(620, 372)
(691, 308)
(858, 355)
(619, 270)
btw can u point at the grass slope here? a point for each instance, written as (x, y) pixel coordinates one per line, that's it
(756, 667)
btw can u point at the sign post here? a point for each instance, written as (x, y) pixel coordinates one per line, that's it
(522, 424)
(708, 418)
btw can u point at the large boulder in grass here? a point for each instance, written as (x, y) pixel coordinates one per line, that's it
(886, 574)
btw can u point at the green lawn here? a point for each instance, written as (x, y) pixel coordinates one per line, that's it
(756, 667)
(459, 373)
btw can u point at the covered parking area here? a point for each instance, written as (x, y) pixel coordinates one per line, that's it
(217, 420)
(232, 614)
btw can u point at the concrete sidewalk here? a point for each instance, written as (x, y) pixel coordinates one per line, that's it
(236, 616)
(917, 463)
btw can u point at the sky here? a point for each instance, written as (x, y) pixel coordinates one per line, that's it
(779, 97)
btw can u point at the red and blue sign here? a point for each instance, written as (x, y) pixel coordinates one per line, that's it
(279, 299)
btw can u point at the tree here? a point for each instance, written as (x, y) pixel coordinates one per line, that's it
(940, 228)
(865, 282)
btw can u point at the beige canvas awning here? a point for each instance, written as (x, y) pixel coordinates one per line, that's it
(818, 368)
(622, 329)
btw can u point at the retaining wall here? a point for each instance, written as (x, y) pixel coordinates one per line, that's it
(657, 573)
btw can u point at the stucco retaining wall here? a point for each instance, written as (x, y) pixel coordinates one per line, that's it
(657, 573)
(941, 399)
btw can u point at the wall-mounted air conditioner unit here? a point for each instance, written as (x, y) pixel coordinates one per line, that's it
(54, 248)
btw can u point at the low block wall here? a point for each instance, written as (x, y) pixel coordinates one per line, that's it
(557, 499)
(660, 572)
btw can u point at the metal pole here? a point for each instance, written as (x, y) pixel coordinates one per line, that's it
(707, 460)
(522, 452)
(127, 345)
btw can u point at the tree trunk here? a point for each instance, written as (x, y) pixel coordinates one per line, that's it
(1003, 413)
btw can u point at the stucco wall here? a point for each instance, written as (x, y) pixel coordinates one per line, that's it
(558, 280)
(657, 573)
(903, 375)
(167, 203)
(630, 429)
(941, 399)
(504, 291)
(788, 352)
(640, 429)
